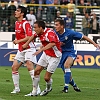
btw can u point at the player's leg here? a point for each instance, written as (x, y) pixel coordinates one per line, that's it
(49, 82)
(37, 71)
(74, 85)
(31, 61)
(67, 75)
(15, 75)
(36, 80)
(52, 65)
(73, 55)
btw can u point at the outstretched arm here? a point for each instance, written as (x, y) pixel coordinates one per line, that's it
(27, 43)
(92, 42)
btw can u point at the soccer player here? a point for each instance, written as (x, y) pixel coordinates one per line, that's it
(23, 31)
(50, 57)
(66, 37)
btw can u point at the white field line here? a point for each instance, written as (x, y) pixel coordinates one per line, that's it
(90, 88)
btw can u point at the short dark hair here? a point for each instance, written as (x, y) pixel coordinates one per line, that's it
(40, 23)
(23, 10)
(60, 21)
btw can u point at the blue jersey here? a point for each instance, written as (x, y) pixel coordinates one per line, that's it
(67, 38)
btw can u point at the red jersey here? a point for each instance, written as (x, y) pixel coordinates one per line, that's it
(49, 36)
(23, 29)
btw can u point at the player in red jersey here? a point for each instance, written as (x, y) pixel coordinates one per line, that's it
(50, 57)
(23, 31)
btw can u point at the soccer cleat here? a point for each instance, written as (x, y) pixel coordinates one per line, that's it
(76, 89)
(30, 94)
(45, 92)
(65, 90)
(15, 91)
(34, 93)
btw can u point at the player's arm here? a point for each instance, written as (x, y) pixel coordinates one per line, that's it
(27, 43)
(92, 42)
(24, 39)
(21, 40)
(48, 46)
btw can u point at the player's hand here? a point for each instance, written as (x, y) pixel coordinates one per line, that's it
(97, 46)
(24, 46)
(15, 42)
(37, 52)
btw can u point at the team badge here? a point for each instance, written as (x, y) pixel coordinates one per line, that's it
(66, 37)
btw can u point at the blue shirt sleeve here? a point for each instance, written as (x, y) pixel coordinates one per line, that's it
(77, 35)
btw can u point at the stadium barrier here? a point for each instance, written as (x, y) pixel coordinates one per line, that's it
(85, 59)
(80, 45)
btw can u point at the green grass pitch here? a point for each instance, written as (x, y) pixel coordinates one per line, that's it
(88, 80)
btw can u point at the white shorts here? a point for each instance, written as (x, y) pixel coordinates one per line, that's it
(26, 55)
(49, 62)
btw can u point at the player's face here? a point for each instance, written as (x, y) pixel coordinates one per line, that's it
(37, 29)
(18, 13)
(58, 27)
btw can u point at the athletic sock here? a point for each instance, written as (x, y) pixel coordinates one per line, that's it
(73, 83)
(32, 76)
(35, 83)
(49, 84)
(15, 77)
(67, 76)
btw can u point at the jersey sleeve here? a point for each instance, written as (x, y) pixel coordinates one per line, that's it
(28, 29)
(52, 37)
(77, 35)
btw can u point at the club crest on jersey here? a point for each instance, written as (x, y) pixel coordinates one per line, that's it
(66, 37)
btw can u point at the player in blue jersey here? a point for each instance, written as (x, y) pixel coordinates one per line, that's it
(66, 37)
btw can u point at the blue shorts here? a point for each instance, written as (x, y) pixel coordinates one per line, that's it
(65, 55)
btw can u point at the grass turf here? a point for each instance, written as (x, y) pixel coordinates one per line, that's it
(88, 80)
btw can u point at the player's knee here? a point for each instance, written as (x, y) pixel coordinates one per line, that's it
(14, 68)
(29, 65)
(67, 65)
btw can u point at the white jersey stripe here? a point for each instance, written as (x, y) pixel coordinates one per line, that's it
(32, 45)
(47, 35)
(24, 25)
(56, 51)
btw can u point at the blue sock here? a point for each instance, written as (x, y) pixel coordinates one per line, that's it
(67, 79)
(72, 83)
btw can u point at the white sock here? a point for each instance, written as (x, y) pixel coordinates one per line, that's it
(15, 77)
(35, 83)
(49, 84)
(32, 76)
